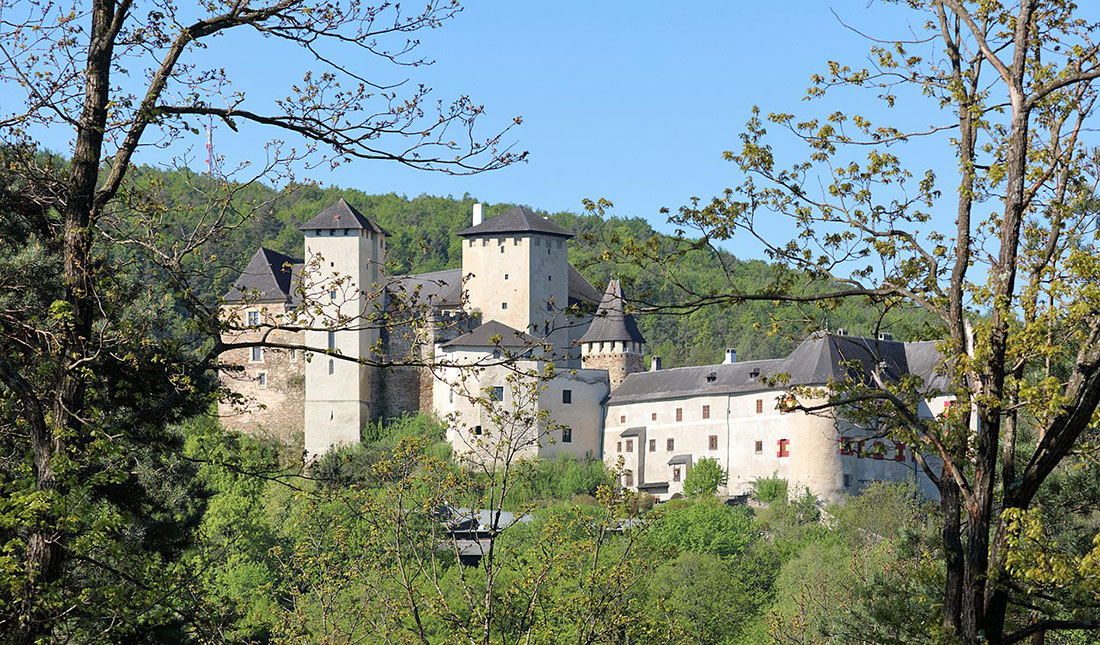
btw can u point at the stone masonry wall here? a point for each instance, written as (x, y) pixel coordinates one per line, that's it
(617, 365)
(271, 406)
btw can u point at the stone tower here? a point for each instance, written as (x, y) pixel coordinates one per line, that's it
(342, 276)
(517, 272)
(613, 341)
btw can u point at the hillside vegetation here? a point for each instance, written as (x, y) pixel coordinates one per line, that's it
(422, 239)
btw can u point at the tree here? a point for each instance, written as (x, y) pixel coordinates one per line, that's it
(1009, 90)
(704, 478)
(93, 363)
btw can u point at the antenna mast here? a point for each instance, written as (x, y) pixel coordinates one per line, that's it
(210, 148)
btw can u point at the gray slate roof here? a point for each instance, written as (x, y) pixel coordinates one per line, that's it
(340, 215)
(579, 288)
(482, 337)
(437, 288)
(269, 277)
(680, 459)
(819, 359)
(515, 220)
(611, 323)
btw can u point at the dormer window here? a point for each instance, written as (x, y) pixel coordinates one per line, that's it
(712, 377)
(755, 373)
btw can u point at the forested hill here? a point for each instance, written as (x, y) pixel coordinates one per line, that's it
(422, 239)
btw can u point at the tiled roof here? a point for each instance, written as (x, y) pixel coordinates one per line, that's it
(269, 277)
(437, 288)
(483, 337)
(516, 220)
(340, 215)
(579, 288)
(816, 361)
(611, 323)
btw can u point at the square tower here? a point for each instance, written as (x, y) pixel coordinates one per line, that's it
(342, 304)
(517, 271)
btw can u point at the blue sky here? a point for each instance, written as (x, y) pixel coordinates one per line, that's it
(632, 102)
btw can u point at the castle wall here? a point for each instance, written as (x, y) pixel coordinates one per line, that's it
(812, 458)
(478, 432)
(271, 405)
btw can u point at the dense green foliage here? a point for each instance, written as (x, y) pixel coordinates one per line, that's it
(704, 478)
(287, 558)
(422, 239)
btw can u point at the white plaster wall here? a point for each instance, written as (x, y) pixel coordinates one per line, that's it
(814, 460)
(457, 385)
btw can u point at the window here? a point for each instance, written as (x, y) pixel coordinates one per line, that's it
(760, 406)
(712, 442)
(653, 445)
(759, 448)
(653, 417)
(450, 396)
(331, 366)
(332, 340)
(257, 355)
(847, 481)
(332, 294)
(899, 451)
(706, 411)
(630, 445)
(622, 419)
(675, 473)
(505, 276)
(477, 430)
(567, 396)
(567, 435)
(549, 306)
(253, 318)
(679, 414)
(618, 446)
(502, 248)
(549, 278)
(263, 379)
(504, 305)
(628, 478)
(878, 450)
(784, 448)
(496, 393)
(845, 446)
(670, 445)
(537, 241)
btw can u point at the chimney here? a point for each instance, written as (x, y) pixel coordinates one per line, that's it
(731, 356)
(477, 214)
(655, 364)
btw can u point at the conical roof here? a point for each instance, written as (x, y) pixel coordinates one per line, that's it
(340, 215)
(516, 220)
(611, 322)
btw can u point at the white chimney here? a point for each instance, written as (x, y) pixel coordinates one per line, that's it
(655, 364)
(477, 213)
(731, 356)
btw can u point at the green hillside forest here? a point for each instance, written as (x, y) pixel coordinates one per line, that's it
(422, 239)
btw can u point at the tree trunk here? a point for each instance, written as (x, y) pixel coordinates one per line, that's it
(953, 553)
(45, 544)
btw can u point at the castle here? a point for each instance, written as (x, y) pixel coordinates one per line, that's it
(344, 344)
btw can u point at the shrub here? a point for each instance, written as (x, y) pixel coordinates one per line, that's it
(704, 478)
